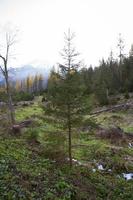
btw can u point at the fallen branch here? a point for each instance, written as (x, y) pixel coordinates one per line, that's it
(25, 123)
(117, 107)
(16, 128)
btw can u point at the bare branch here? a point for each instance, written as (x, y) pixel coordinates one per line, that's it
(3, 72)
(2, 58)
(10, 39)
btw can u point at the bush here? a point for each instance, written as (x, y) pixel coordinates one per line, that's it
(113, 100)
(126, 95)
(3, 96)
(55, 145)
(22, 96)
(33, 135)
(102, 99)
(101, 95)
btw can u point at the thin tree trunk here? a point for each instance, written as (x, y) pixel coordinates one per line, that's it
(69, 137)
(107, 93)
(10, 105)
(9, 42)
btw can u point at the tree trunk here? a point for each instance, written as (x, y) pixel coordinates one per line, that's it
(10, 105)
(69, 137)
(9, 42)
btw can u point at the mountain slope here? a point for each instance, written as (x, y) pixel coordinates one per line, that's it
(24, 71)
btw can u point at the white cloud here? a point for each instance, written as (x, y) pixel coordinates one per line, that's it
(43, 22)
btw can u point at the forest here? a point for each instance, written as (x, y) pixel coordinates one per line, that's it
(72, 138)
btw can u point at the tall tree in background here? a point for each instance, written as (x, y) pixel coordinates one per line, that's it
(10, 41)
(113, 66)
(35, 83)
(66, 94)
(40, 82)
(121, 48)
(121, 55)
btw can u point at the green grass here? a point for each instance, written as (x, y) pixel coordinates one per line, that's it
(128, 129)
(86, 147)
(26, 173)
(121, 119)
(28, 112)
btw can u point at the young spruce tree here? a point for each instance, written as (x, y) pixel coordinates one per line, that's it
(66, 94)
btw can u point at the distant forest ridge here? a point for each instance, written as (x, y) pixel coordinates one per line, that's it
(112, 75)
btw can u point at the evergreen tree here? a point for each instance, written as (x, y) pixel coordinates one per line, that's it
(35, 84)
(66, 94)
(40, 83)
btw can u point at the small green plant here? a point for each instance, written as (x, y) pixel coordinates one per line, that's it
(33, 134)
(55, 145)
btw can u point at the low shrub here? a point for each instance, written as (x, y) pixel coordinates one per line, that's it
(22, 96)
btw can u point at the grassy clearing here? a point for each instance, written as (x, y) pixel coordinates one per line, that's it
(121, 119)
(28, 112)
(28, 172)
(86, 147)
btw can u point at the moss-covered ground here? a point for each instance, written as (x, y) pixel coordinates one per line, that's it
(33, 164)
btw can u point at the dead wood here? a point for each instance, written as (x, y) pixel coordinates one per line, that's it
(114, 108)
(16, 128)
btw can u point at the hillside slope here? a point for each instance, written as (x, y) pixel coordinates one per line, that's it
(34, 166)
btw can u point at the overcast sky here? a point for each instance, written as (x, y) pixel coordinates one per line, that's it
(42, 24)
